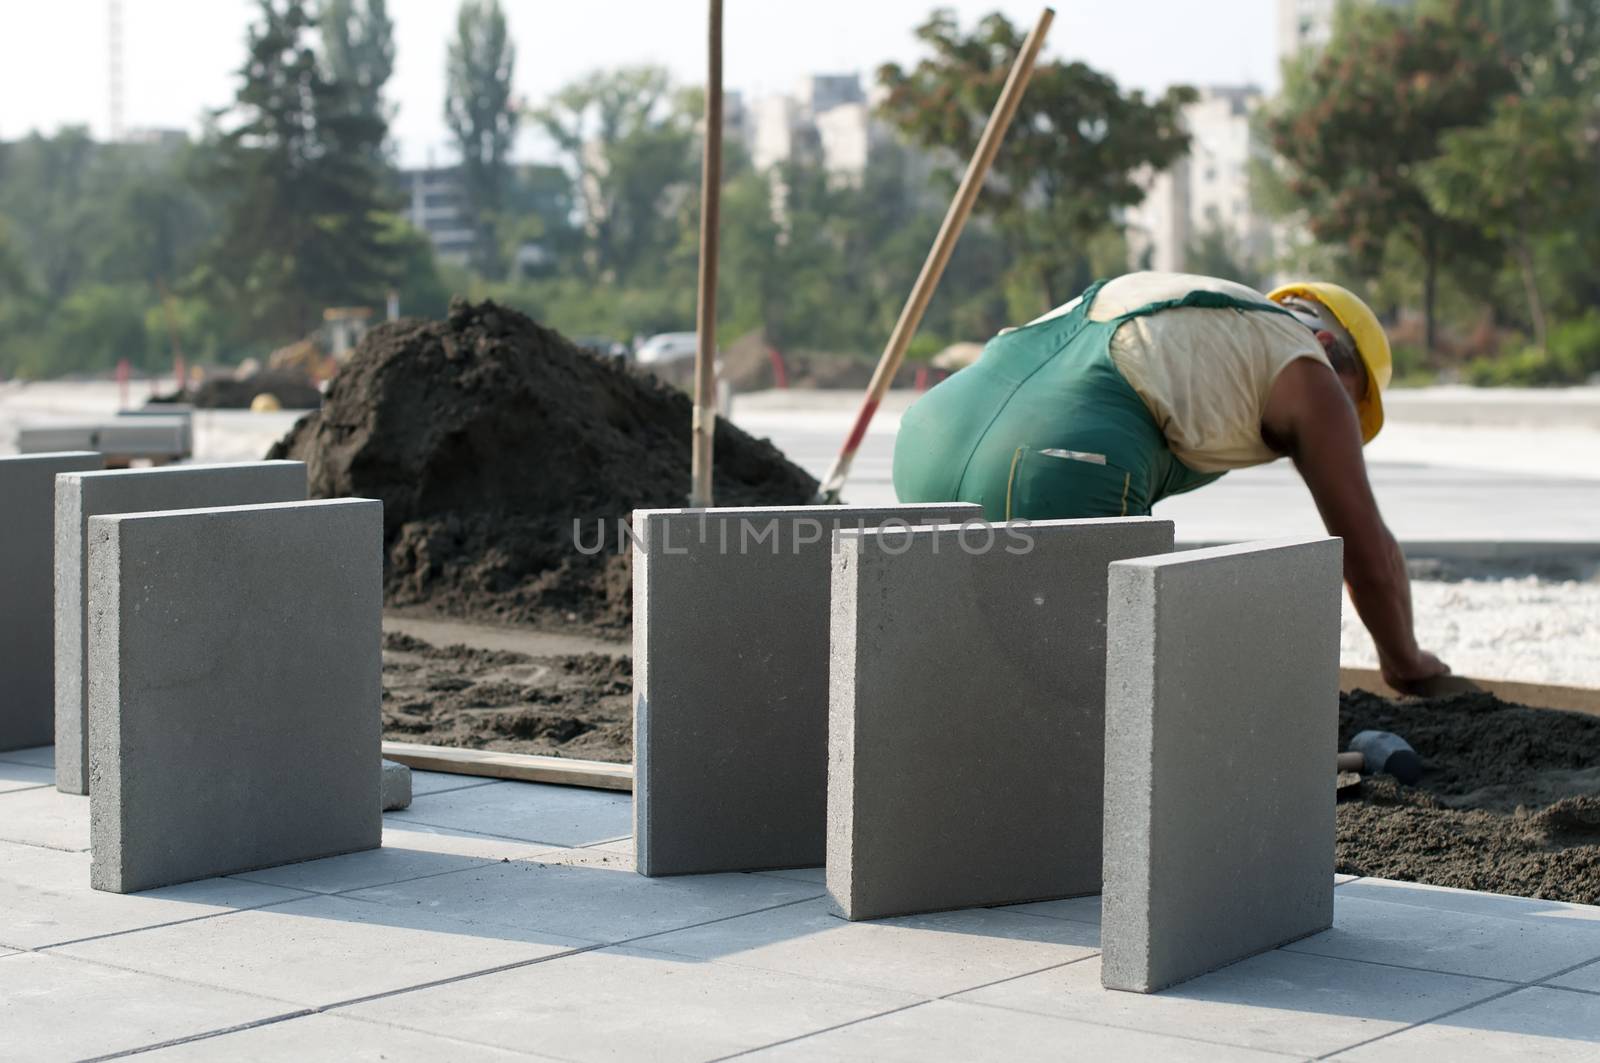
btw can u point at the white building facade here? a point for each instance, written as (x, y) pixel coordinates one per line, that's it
(1207, 193)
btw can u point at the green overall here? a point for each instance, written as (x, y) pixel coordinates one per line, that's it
(1044, 426)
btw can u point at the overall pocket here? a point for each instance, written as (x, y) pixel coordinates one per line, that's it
(1061, 484)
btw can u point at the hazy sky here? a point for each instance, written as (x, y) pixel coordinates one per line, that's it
(179, 56)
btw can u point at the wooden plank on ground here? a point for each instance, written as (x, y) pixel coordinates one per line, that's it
(523, 767)
(1538, 695)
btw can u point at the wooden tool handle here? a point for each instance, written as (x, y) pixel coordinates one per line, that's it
(1351, 762)
(939, 254)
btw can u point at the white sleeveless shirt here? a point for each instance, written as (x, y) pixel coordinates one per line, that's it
(1205, 374)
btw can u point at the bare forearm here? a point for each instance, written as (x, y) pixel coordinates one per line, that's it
(1381, 591)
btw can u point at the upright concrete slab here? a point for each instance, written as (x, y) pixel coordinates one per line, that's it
(27, 517)
(234, 689)
(1222, 708)
(967, 712)
(730, 673)
(82, 496)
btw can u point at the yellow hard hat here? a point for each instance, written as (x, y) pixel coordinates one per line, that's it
(1372, 346)
(266, 402)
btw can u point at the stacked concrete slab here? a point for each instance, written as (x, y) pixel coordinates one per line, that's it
(27, 519)
(82, 496)
(730, 643)
(234, 689)
(158, 437)
(1222, 692)
(967, 714)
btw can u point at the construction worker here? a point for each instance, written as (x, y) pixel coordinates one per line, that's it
(1153, 384)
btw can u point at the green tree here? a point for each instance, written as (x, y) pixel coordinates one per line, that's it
(358, 56)
(1215, 252)
(1070, 159)
(1356, 123)
(302, 207)
(627, 140)
(482, 117)
(1484, 176)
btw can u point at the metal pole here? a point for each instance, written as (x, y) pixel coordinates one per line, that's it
(939, 254)
(705, 358)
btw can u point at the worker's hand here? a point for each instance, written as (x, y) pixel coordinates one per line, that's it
(1414, 676)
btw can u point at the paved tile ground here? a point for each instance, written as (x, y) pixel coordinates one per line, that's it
(503, 921)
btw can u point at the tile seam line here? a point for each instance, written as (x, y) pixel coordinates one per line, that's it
(818, 1033)
(36, 845)
(205, 1035)
(1425, 970)
(449, 789)
(487, 834)
(186, 982)
(482, 862)
(598, 946)
(1541, 985)
(1428, 1021)
(547, 1057)
(1040, 915)
(1014, 977)
(179, 922)
(1158, 1033)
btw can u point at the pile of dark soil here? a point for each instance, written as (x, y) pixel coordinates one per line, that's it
(1509, 801)
(575, 706)
(491, 440)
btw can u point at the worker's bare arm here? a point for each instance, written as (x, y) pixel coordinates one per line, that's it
(1309, 416)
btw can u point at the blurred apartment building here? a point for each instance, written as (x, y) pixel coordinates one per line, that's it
(1206, 194)
(436, 204)
(828, 120)
(1205, 198)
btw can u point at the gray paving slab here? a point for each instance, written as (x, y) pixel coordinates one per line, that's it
(82, 496)
(41, 756)
(432, 782)
(1222, 684)
(328, 1038)
(53, 1008)
(627, 1003)
(615, 845)
(730, 667)
(1548, 1025)
(1433, 939)
(318, 951)
(931, 955)
(234, 688)
(1469, 902)
(1087, 909)
(46, 899)
(1585, 978)
(416, 852)
(1000, 800)
(1276, 1001)
(942, 1029)
(27, 483)
(800, 874)
(552, 815)
(43, 816)
(590, 895)
(1077, 909)
(23, 776)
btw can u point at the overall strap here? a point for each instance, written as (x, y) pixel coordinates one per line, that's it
(1206, 300)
